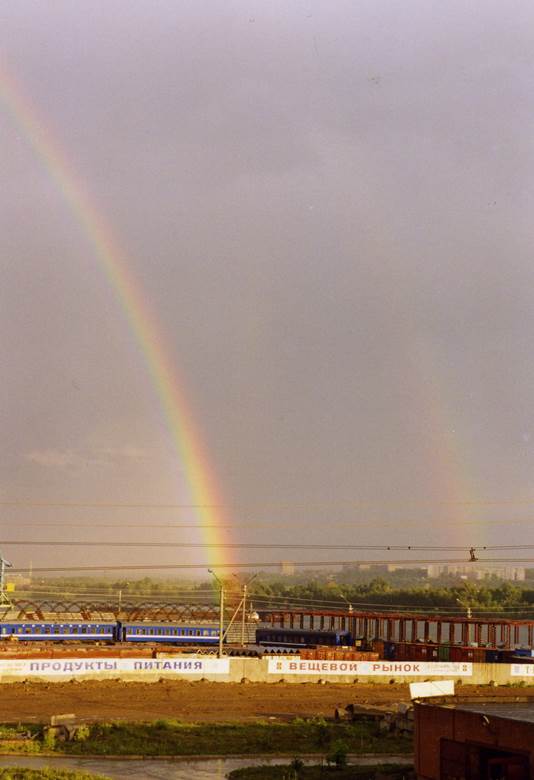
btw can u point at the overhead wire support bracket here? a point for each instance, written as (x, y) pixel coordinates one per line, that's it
(5, 603)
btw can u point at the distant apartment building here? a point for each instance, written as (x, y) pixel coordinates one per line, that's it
(287, 568)
(475, 572)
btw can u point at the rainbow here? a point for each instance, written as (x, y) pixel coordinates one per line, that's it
(451, 473)
(204, 494)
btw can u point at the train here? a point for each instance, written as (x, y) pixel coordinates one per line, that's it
(296, 637)
(271, 638)
(164, 633)
(110, 631)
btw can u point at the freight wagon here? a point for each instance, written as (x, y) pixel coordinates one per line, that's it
(421, 651)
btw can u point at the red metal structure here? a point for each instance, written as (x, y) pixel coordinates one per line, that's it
(491, 632)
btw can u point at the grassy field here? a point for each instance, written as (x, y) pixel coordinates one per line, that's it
(18, 773)
(174, 738)
(320, 773)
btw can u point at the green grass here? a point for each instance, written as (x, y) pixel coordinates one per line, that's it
(19, 773)
(173, 738)
(319, 773)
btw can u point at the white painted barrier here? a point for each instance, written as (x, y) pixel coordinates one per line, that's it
(283, 666)
(522, 670)
(268, 669)
(83, 667)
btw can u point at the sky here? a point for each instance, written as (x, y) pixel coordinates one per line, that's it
(326, 206)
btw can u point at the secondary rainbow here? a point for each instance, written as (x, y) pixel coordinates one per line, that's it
(204, 495)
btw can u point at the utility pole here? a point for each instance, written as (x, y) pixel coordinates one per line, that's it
(244, 603)
(221, 613)
(4, 564)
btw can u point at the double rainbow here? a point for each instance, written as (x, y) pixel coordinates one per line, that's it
(204, 495)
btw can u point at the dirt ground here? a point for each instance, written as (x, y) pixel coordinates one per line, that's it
(200, 701)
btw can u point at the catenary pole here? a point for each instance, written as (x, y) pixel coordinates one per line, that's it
(221, 613)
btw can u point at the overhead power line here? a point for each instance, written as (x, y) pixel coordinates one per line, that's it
(253, 524)
(266, 546)
(266, 601)
(262, 504)
(264, 565)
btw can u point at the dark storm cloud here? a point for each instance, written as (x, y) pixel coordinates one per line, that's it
(328, 205)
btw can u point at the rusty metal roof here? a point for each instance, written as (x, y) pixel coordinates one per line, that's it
(508, 710)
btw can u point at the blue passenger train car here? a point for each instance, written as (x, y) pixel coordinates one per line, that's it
(297, 637)
(58, 632)
(168, 633)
